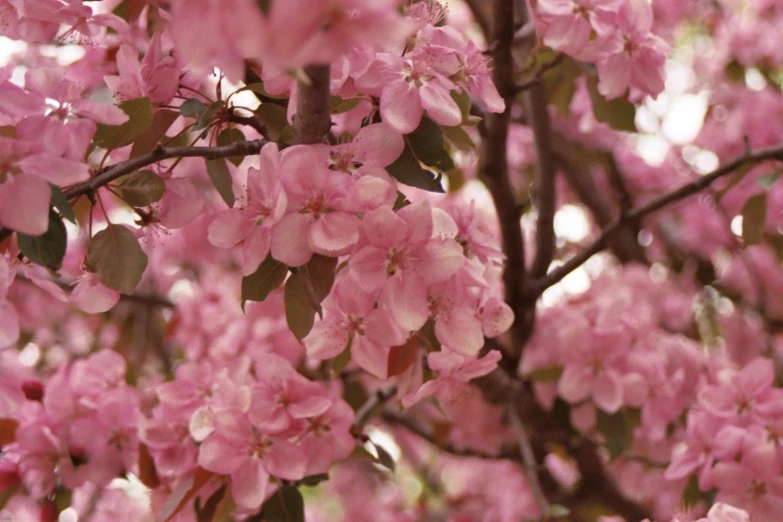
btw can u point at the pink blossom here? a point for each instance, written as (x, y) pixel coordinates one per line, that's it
(351, 318)
(320, 218)
(153, 78)
(91, 296)
(252, 219)
(454, 371)
(250, 456)
(401, 258)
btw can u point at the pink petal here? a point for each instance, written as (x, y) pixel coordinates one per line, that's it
(59, 171)
(218, 456)
(230, 227)
(608, 392)
(370, 357)
(101, 112)
(248, 483)
(24, 205)
(575, 384)
(92, 297)
(9, 324)
(496, 317)
(368, 268)
(378, 145)
(440, 259)
(289, 240)
(285, 460)
(257, 245)
(405, 298)
(439, 104)
(401, 106)
(327, 339)
(334, 233)
(460, 330)
(384, 228)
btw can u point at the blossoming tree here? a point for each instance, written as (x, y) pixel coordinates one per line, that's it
(391, 260)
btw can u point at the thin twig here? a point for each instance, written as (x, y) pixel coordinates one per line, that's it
(656, 204)
(528, 457)
(364, 412)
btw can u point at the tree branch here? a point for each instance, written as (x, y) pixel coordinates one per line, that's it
(494, 172)
(476, 7)
(528, 457)
(108, 174)
(313, 117)
(536, 108)
(556, 275)
(624, 245)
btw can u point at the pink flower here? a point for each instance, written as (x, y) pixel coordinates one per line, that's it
(252, 219)
(581, 28)
(401, 258)
(282, 397)
(327, 437)
(351, 317)
(590, 369)
(744, 394)
(154, 78)
(409, 86)
(640, 61)
(250, 456)
(454, 371)
(319, 219)
(91, 296)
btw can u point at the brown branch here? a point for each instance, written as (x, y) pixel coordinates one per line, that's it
(476, 7)
(146, 299)
(365, 411)
(494, 172)
(250, 121)
(528, 457)
(625, 244)
(313, 118)
(422, 431)
(545, 430)
(689, 189)
(108, 174)
(536, 108)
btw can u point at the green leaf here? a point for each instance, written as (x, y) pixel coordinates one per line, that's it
(339, 105)
(691, 495)
(6, 495)
(61, 203)
(139, 112)
(221, 178)
(618, 429)
(207, 512)
(115, 256)
(274, 117)
(206, 116)
(551, 374)
(319, 275)
(341, 361)
(142, 188)
(299, 311)
(314, 480)
(560, 84)
(285, 505)
(407, 170)
(428, 145)
(192, 108)
(556, 511)
(463, 102)
(229, 136)
(618, 113)
(48, 249)
(161, 121)
(402, 357)
(269, 275)
(754, 215)
(768, 180)
(459, 138)
(384, 457)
